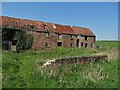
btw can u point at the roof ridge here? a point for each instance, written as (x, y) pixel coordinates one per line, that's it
(25, 23)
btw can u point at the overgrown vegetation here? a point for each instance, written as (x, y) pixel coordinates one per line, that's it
(24, 40)
(20, 69)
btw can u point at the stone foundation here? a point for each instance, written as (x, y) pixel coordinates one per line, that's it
(76, 60)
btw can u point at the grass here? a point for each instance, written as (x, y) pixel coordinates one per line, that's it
(20, 69)
(104, 45)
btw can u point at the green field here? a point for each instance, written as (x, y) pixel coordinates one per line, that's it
(20, 70)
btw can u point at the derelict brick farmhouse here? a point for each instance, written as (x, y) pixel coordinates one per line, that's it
(49, 35)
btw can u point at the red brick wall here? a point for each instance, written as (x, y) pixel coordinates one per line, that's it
(73, 40)
(66, 40)
(40, 40)
(53, 40)
(91, 40)
(82, 40)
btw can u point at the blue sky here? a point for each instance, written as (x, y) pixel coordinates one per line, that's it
(100, 17)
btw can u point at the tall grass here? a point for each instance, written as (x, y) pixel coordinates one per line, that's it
(20, 70)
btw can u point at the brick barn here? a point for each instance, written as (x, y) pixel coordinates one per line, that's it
(49, 35)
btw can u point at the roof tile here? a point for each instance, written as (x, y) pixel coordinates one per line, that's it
(16, 23)
(64, 29)
(82, 31)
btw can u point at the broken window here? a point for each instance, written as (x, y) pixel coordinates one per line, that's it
(82, 44)
(86, 37)
(59, 43)
(77, 42)
(75, 36)
(47, 34)
(70, 44)
(86, 45)
(59, 36)
(71, 37)
(79, 36)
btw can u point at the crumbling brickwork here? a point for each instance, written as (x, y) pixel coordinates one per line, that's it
(49, 35)
(75, 60)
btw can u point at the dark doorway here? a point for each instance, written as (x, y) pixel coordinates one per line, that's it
(8, 38)
(14, 42)
(77, 42)
(82, 44)
(70, 44)
(85, 45)
(59, 44)
(86, 38)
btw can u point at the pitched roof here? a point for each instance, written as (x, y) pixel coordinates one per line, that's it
(49, 26)
(63, 29)
(16, 23)
(24, 24)
(82, 31)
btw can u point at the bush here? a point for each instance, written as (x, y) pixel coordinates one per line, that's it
(24, 40)
(5, 45)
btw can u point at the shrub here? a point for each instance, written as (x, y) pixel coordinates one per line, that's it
(24, 40)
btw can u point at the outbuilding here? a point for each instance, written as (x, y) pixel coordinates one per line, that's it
(43, 35)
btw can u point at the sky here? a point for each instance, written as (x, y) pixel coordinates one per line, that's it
(100, 17)
(60, 0)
